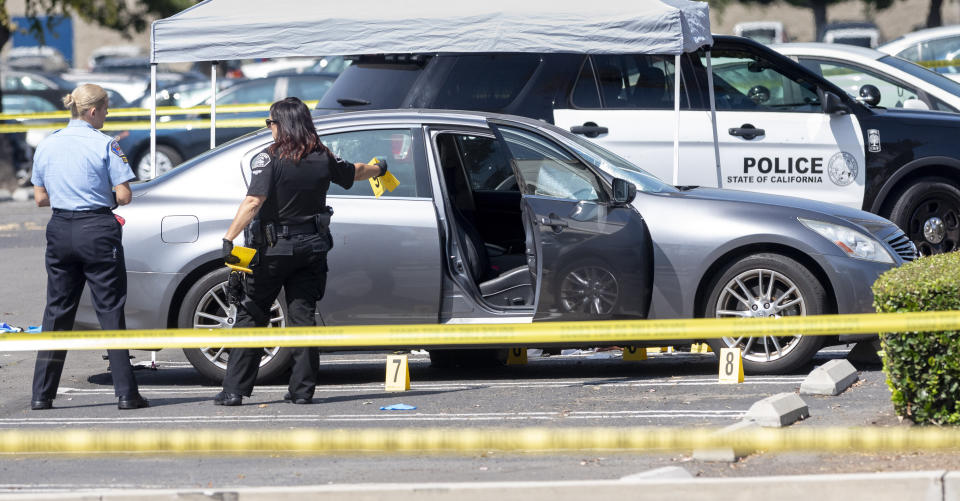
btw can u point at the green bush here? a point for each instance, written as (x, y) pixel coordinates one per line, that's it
(922, 368)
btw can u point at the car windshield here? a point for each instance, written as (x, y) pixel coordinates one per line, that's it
(931, 77)
(615, 165)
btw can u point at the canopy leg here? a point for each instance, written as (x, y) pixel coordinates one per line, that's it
(676, 117)
(713, 120)
(153, 121)
(213, 105)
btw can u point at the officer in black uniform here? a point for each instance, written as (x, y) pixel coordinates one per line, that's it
(82, 173)
(285, 217)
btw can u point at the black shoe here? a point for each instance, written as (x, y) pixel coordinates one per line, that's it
(286, 396)
(299, 400)
(228, 399)
(134, 402)
(39, 405)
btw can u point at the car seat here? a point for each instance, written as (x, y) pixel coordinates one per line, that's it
(610, 79)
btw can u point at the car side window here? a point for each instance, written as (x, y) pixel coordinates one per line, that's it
(941, 49)
(487, 167)
(253, 92)
(546, 169)
(488, 82)
(851, 78)
(628, 81)
(396, 145)
(743, 81)
(308, 89)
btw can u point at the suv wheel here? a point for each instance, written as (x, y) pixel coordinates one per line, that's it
(767, 285)
(206, 307)
(929, 213)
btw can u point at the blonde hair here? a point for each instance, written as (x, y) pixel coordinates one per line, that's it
(83, 98)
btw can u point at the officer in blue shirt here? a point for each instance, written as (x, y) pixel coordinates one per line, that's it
(82, 173)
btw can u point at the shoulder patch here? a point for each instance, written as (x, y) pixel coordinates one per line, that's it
(115, 149)
(260, 161)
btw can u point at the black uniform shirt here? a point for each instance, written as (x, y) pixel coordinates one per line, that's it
(301, 187)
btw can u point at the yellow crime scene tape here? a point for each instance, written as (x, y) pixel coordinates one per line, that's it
(476, 335)
(470, 441)
(143, 124)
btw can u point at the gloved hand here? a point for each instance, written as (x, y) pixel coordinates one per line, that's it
(382, 163)
(227, 249)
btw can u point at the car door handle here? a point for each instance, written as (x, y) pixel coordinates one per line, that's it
(746, 131)
(589, 129)
(554, 222)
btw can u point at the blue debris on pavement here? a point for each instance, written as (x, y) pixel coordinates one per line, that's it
(33, 329)
(5, 327)
(398, 407)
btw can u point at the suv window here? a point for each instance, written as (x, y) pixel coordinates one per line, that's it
(397, 145)
(746, 82)
(941, 49)
(372, 85)
(485, 82)
(851, 77)
(626, 81)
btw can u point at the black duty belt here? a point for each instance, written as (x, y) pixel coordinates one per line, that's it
(285, 231)
(99, 210)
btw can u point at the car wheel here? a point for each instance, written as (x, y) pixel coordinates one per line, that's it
(167, 159)
(590, 289)
(929, 213)
(205, 306)
(767, 285)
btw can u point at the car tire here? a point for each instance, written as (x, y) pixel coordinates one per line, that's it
(793, 285)
(167, 159)
(207, 296)
(928, 211)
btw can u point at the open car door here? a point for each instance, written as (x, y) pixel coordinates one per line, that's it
(592, 254)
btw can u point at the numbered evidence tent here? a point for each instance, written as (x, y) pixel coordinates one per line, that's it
(216, 30)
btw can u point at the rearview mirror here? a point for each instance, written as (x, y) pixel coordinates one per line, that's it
(870, 94)
(623, 191)
(833, 105)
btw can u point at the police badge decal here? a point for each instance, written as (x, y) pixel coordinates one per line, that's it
(842, 168)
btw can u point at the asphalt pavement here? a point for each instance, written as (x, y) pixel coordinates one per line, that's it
(582, 389)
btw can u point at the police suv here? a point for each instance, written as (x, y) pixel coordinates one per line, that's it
(781, 128)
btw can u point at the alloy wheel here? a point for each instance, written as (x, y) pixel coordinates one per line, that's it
(589, 289)
(215, 312)
(760, 293)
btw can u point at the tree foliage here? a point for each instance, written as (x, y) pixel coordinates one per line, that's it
(125, 17)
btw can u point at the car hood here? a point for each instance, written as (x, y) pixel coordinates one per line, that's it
(802, 206)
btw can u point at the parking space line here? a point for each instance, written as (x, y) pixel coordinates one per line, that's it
(378, 387)
(435, 417)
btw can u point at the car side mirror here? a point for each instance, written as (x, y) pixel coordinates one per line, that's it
(870, 94)
(623, 191)
(833, 105)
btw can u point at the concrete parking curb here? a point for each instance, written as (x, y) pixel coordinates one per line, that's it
(831, 378)
(725, 454)
(782, 409)
(923, 485)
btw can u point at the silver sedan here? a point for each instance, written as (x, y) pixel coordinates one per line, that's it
(506, 219)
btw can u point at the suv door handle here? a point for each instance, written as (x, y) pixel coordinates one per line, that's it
(746, 131)
(589, 129)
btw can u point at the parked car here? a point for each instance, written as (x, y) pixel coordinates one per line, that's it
(176, 145)
(45, 59)
(507, 219)
(935, 45)
(765, 32)
(897, 83)
(861, 33)
(781, 128)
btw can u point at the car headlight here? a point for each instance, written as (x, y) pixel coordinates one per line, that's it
(850, 241)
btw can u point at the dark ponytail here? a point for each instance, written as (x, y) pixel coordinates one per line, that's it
(296, 135)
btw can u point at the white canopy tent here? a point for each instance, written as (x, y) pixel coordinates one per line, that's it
(215, 30)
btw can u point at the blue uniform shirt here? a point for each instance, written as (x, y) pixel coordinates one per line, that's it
(79, 166)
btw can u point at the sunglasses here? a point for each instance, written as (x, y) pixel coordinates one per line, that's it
(270, 122)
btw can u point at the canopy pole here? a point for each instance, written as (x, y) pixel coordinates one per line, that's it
(153, 121)
(713, 120)
(213, 105)
(676, 117)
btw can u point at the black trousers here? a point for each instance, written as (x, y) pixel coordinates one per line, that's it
(299, 266)
(83, 247)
